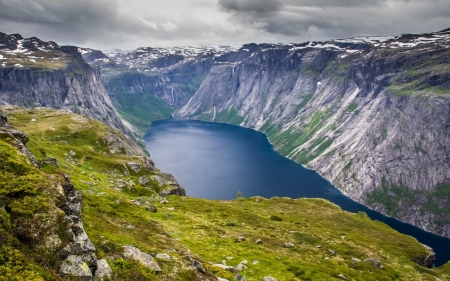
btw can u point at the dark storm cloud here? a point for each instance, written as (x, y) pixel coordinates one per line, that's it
(66, 21)
(339, 18)
(257, 6)
(107, 24)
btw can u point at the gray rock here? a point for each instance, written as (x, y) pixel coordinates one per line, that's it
(240, 239)
(239, 277)
(75, 266)
(376, 263)
(3, 120)
(72, 153)
(331, 252)
(342, 277)
(49, 161)
(198, 266)
(356, 259)
(269, 278)
(426, 260)
(131, 252)
(164, 257)
(143, 180)
(152, 209)
(226, 267)
(136, 167)
(222, 279)
(289, 245)
(259, 241)
(241, 266)
(103, 271)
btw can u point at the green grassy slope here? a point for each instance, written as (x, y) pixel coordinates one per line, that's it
(208, 229)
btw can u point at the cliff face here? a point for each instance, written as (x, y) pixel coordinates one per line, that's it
(37, 73)
(370, 114)
(149, 83)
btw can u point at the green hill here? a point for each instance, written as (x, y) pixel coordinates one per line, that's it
(327, 243)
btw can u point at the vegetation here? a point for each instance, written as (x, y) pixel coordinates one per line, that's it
(208, 229)
(229, 116)
(352, 107)
(53, 60)
(390, 194)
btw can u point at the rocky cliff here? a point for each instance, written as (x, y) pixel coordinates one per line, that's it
(370, 114)
(35, 73)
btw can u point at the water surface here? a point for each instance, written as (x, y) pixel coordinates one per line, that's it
(215, 161)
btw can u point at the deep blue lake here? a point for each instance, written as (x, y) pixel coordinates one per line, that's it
(215, 161)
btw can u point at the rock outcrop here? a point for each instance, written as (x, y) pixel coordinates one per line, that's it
(55, 77)
(79, 255)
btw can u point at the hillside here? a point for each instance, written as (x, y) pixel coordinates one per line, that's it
(119, 209)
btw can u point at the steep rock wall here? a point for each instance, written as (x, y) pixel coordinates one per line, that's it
(374, 122)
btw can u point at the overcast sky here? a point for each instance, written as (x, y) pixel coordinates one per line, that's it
(128, 24)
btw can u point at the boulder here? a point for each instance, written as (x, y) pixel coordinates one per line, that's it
(239, 277)
(136, 167)
(49, 161)
(75, 266)
(226, 267)
(269, 278)
(342, 277)
(103, 271)
(131, 252)
(164, 257)
(151, 209)
(241, 266)
(289, 245)
(143, 180)
(259, 241)
(376, 263)
(198, 266)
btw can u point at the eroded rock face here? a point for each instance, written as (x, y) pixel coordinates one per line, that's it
(76, 87)
(3, 120)
(350, 115)
(79, 256)
(426, 260)
(170, 184)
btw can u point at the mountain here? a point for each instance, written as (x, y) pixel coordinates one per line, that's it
(62, 165)
(35, 73)
(371, 114)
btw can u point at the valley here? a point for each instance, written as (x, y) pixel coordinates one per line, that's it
(370, 114)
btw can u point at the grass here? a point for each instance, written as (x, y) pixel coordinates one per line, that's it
(352, 107)
(229, 116)
(43, 60)
(208, 229)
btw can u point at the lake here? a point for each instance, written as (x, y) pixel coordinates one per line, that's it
(216, 161)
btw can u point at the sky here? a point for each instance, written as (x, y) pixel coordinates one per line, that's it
(129, 24)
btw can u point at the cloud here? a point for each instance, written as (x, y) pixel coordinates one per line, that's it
(107, 24)
(322, 19)
(253, 6)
